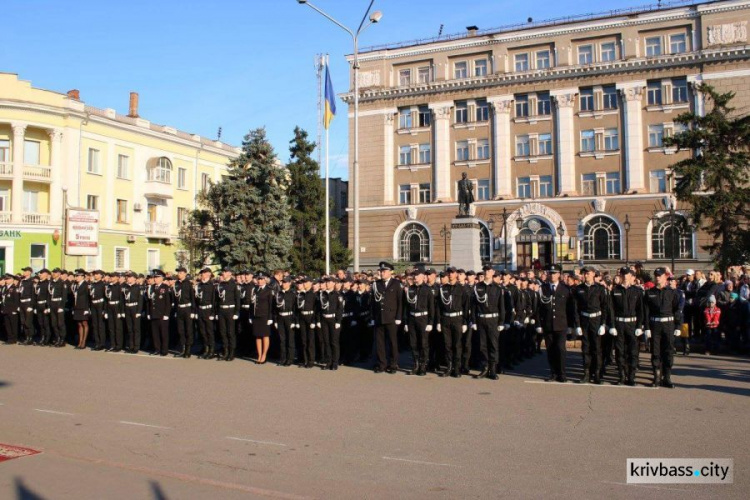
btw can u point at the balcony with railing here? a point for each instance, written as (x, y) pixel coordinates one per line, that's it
(36, 219)
(6, 170)
(38, 173)
(5, 217)
(157, 229)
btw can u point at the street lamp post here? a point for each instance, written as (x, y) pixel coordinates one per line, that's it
(445, 233)
(627, 240)
(561, 233)
(374, 18)
(64, 223)
(671, 232)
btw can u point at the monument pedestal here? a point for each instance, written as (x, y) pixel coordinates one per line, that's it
(465, 243)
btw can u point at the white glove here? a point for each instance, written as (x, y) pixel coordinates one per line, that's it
(86, 313)
(532, 321)
(372, 322)
(677, 333)
(122, 315)
(275, 325)
(59, 311)
(236, 317)
(638, 332)
(648, 334)
(516, 324)
(148, 316)
(269, 322)
(398, 322)
(579, 332)
(211, 318)
(428, 328)
(601, 330)
(538, 330)
(354, 323)
(194, 316)
(166, 318)
(406, 328)
(106, 316)
(29, 309)
(500, 328)
(526, 321)
(318, 325)
(138, 315)
(506, 326)
(312, 326)
(46, 311)
(296, 326)
(250, 320)
(337, 325)
(613, 332)
(474, 327)
(463, 328)
(439, 327)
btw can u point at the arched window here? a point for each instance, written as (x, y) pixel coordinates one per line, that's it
(414, 244)
(485, 243)
(601, 239)
(160, 170)
(668, 238)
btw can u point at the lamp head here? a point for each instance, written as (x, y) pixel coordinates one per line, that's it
(374, 17)
(302, 2)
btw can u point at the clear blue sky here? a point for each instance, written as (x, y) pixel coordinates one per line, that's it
(238, 64)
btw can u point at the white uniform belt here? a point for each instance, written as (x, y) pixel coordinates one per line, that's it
(231, 306)
(55, 300)
(489, 315)
(329, 316)
(206, 307)
(286, 313)
(98, 301)
(418, 314)
(307, 313)
(662, 319)
(347, 315)
(184, 305)
(25, 300)
(131, 304)
(626, 320)
(245, 306)
(452, 315)
(591, 315)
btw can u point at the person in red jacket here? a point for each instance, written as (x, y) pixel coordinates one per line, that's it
(712, 316)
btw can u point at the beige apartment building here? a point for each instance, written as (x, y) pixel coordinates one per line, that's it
(561, 124)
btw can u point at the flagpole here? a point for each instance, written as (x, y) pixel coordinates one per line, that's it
(328, 203)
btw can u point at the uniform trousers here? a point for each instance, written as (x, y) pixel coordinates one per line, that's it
(489, 340)
(386, 334)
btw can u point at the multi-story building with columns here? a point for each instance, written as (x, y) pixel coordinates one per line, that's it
(141, 177)
(560, 124)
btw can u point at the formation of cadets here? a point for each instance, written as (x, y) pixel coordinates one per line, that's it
(452, 322)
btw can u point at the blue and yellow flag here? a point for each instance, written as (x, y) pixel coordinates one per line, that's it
(330, 110)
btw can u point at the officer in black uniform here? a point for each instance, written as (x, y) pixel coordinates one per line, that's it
(556, 316)
(592, 305)
(97, 291)
(205, 296)
(419, 318)
(228, 309)
(133, 300)
(41, 292)
(387, 311)
(453, 321)
(329, 322)
(58, 298)
(185, 302)
(627, 315)
(114, 312)
(284, 312)
(488, 309)
(26, 291)
(349, 321)
(662, 310)
(11, 305)
(306, 321)
(161, 310)
(81, 293)
(364, 334)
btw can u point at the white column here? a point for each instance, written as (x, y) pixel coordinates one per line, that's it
(56, 166)
(388, 162)
(503, 146)
(566, 142)
(632, 96)
(441, 161)
(19, 129)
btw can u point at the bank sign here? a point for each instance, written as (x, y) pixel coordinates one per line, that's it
(82, 232)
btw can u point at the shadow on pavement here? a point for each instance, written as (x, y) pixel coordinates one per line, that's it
(157, 491)
(3, 383)
(24, 493)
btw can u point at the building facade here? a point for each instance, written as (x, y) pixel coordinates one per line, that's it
(141, 177)
(559, 124)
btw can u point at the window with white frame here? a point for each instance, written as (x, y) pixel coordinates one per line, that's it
(425, 193)
(678, 43)
(152, 259)
(678, 128)
(545, 186)
(587, 99)
(588, 184)
(671, 237)
(653, 92)
(609, 97)
(522, 106)
(585, 54)
(161, 170)
(30, 201)
(611, 139)
(181, 178)
(423, 74)
(414, 244)
(655, 136)
(404, 118)
(658, 181)
(462, 112)
(123, 164)
(542, 59)
(404, 77)
(483, 189)
(545, 144)
(601, 239)
(93, 166)
(31, 153)
(524, 187)
(588, 141)
(404, 194)
(462, 150)
(205, 182)
(121, 211)
(461, 70)
(4, 200)
(613, 182)
(38, 257)
(483, 149)
(93, 262)
(92, 202)
(679, 90)
(608, 52)
(485, 243)
(121, 259)
(522, 145)
(404, 155)
(522, 62)
(425, 116)
(543, 104)
(4, 151)
(182, 216)
(480, 67)
(653, 46)
(482, 111)
(425, 154)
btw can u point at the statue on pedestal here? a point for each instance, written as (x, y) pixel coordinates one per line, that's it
(465, 196)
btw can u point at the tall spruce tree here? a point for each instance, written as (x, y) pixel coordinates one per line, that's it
(307, 206)
(715, 180)
(249, 209)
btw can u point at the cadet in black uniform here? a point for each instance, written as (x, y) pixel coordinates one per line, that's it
(488, 309)
(349, 322)
(161, 310)
(96, 295)
(228, 309)
(284, 312)
(387, 311)
(364, 330)
(114, 312)
(592, 305)
(185, 302)
(26, 292)
(453, 321)
(133, 299)
(262, 317)
(329, 322)
(306, 321)
(662, 308)
(205, 297)
(11, 305)
(81, 306)
(58, 298)
(419, 318)
(627, 314)
(41, 292)
(556, 316)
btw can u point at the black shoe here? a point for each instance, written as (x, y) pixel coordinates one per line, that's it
(456, 374)
(163, 354)
(657, 378)
(448, 371)
(464, 371)
(561, 379)
(493, 376)
(422, 371)
(667, 381)
(584, 378)
(378, 369)
(334, 367)
(483, 373)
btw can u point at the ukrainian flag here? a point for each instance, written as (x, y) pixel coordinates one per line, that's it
(330, 110)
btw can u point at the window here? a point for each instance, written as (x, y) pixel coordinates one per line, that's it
(30, 201)
(404, 118)
(588, 141)
(658, 180)
(121, 259)
(404, 194)
(483, 189)
(679, 128)
(653, 46)
(587, 99)
(151, 212)
(152, 259)
(654, 93)
(671, 237)
(608, 52)
(461, 70)
(423, 74)
(181, 178)
(609, 97)
(483, 111)
(161, 171)
(542, 59)
(585, 54)
(425, 117)
(613, 183)
(30, 152)
(524, 187)
(122, 211)
(522, 62)
(655, 136)
(485, 243)
(93, 166)
(483, 149)
(545, 186)
(182, 216)
(588, 184)
(205, 182)
(678, 44)
(122, 167)
(545, 144)
(543, 104)
(38, 256)
(4, 197)
(404, 77)
(522, 145)
(522, 106)
(404, 155)
(425, 154)
(601, 239)
(462, 151)
(425, 193)
(462, 112)
(679, 90)
(92, 202)
(4, 151)
(94, 261)
(480, 67)
(611, 139)
(414, 244)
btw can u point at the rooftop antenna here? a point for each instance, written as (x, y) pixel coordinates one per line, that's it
(440, 32)
(218, 138)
